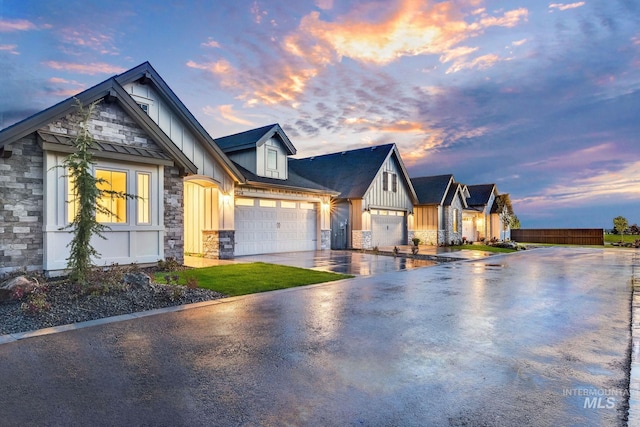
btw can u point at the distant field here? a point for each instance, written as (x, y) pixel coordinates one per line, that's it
(615, 238)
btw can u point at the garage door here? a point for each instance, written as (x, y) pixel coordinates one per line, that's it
(387, 228)
(268, 226)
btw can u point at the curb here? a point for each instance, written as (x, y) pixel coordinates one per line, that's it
(634, 372)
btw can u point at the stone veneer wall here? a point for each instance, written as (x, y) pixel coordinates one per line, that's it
(173, 214)
(427, 237)
(21, 207)
(218, 244)
(325, 242)
(362, 239)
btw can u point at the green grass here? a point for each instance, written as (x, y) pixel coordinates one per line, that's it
(242, 279)
(615, 238)
(485, 248)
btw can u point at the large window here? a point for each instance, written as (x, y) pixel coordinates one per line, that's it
(115, 206)
(455, 220)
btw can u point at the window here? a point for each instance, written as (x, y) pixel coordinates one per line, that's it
(244, 202)
(72, 197)
(114, 206)
(272, 159)
(143, 202)
(145, 107)
(389, 182)
(394, 183)
(267, 203)
(455, 220)
(287, 205)
(385, 181)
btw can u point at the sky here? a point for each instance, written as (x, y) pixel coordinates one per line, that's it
(540, 98)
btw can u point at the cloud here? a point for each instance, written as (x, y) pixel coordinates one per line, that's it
(88, 38)
(10, 25)
(562, 7)
(9, 48)
(63, 87)
(227, 113)
(210, 43)
(324, 4)
(414, 28)
(481, 62)
(621, 184)
(519, 42)
(90, 69)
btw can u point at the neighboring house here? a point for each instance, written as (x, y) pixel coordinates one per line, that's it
(276, 209)
(437, 216)
(147, 144)
(375, 195)
(478, 222)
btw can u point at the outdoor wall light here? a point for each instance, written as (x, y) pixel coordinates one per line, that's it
(226, 198)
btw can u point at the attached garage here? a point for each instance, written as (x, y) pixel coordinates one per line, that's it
(388, 227)
(272, 226)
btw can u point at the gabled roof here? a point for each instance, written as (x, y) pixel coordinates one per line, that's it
(431, 190)
(456, 189)
(480, 194)
(148, 75)
(349, 172)
(294, 181)
(254, 138)
(109, 91)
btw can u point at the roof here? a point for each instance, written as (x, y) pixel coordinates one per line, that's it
(253, 138)
(431, 190)
(112, 150)
(294, 181)
(480, 194)
(147, 74)
(349, 172)
(110, 91)
(454, 189)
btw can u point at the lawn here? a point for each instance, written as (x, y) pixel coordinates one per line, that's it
(615, 238)
(242, 279)
(485, 248)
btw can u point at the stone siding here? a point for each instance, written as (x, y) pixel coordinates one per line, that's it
(362, 239)
(325, 242)
(21, 203)
(218, 244)
(427, 237)
(173, 214)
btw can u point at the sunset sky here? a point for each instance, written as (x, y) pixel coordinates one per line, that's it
(541, 98)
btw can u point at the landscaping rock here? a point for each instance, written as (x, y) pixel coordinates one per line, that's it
(16, 288)
(137, 279)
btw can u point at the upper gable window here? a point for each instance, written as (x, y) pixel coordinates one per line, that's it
(145, 107)
(272, 159)
(389, 182)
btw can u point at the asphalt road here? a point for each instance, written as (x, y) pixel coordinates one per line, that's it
(528, 338)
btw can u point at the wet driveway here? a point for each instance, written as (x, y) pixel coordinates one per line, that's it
(532, 338)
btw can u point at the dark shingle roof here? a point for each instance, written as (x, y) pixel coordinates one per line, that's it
(349, 172)
(480, 194)
(293, 181)
(251, 138)
(431, 189)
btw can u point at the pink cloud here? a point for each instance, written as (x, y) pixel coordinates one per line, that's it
(562, 7)
(90, 69)
(8, 25)
(10, 48)
(90, 39)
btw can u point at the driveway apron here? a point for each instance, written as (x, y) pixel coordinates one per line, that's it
(528, 338)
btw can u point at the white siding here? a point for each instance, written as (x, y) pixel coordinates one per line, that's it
(172, 125)
(261, 162)
(377, 197)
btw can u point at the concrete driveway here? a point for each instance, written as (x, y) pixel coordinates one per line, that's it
(533, 338)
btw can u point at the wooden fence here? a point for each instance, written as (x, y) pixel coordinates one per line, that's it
(566, 236)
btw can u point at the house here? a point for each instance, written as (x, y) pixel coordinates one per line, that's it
(437, 216)
(478, 221)
(150, 145)
(276, 209)
(375, 195)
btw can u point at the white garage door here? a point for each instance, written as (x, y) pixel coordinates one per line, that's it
(268, 226)
(387, 228)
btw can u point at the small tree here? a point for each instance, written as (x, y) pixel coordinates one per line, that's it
(505, 212)
(620, 224)
(87, 192)
(515, 222)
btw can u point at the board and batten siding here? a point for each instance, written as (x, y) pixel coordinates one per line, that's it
(426, 217)
(160, 112)
(377, 197)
